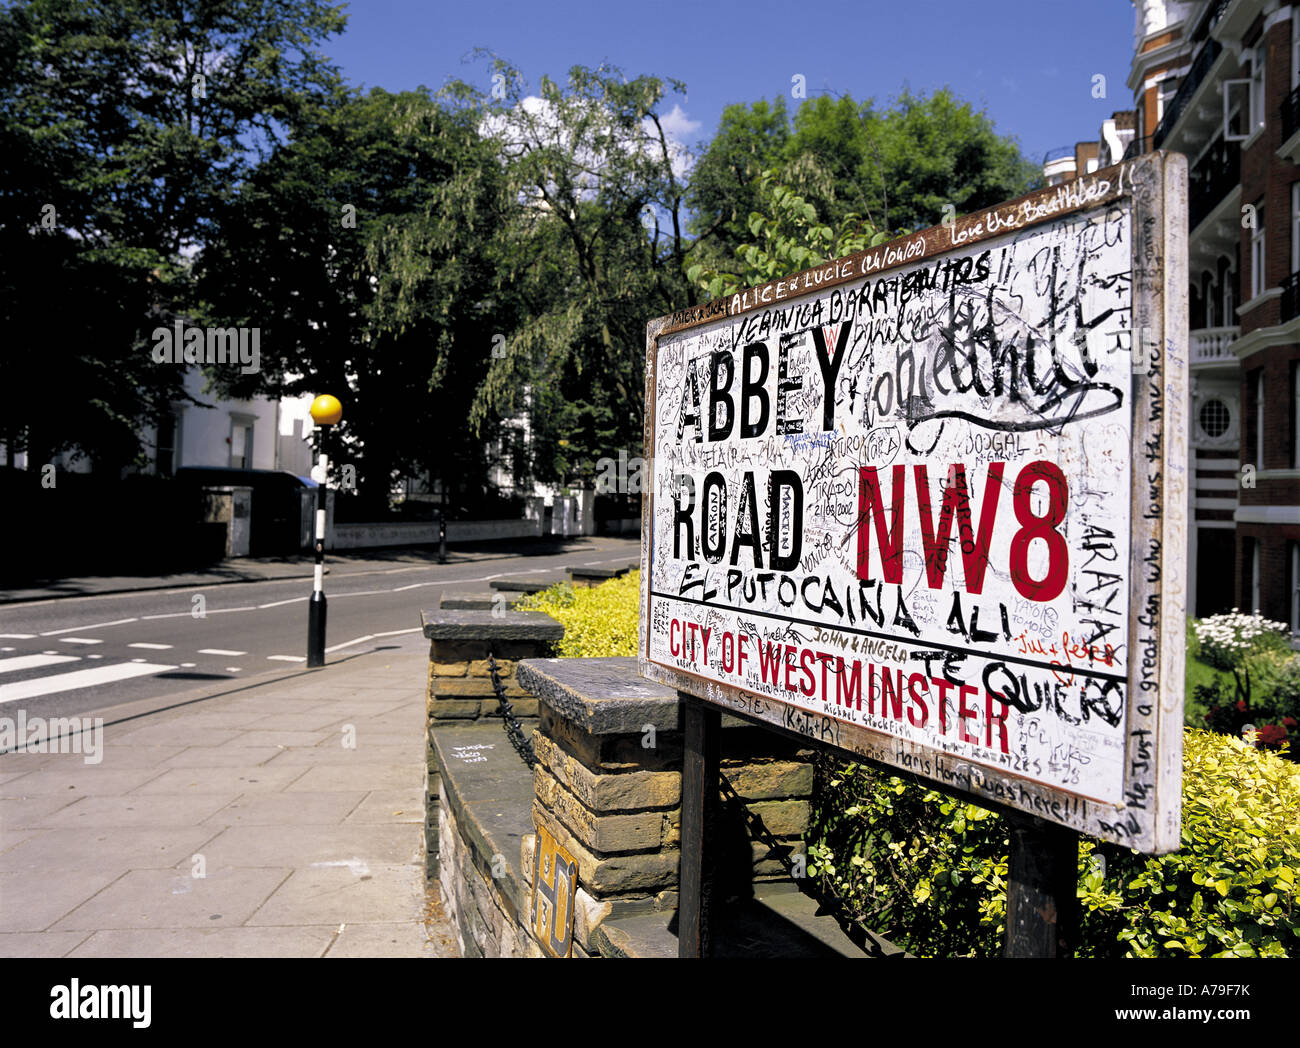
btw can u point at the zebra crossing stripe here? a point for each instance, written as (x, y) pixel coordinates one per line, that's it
(89, 678)
(33, 662)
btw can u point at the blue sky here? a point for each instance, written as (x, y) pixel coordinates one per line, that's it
(1029, 63)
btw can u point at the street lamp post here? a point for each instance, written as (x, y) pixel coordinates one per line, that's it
(325, 411)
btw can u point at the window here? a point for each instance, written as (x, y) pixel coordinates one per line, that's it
(1254, 575)
(1259, 418)
(1257, 259)
(1236, 110)
(1257, 88)
(1295, 227)
(1295, 414)
(1214, 418)
(1295, 48)
(241, 444)
(165, 446)
(1295, 585)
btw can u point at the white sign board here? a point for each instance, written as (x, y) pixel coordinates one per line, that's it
(927, 503)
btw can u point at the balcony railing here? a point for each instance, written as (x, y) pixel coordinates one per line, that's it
(1211, 179)
(1291, 114)
(1290, 297)
(1201, 64)
(1212, 345)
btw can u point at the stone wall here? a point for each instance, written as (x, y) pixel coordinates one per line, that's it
(607, 786)
(460, 683)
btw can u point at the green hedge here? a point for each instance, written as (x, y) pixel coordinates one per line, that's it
(598, 621)
(929, 871)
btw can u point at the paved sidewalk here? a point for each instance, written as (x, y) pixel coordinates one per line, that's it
(307, 846)
(338, 564)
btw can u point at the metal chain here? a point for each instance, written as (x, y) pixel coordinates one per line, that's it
(514, 729)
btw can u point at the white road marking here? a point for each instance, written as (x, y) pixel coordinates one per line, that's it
(152, 647)
(17, 636)
(30, 689)
(279, 603)
(287, 658)
(94, 656)
(31, 662)
(8, 649)
(80, 640)
(220, 651)
(372, 636)
(232, 669)
(94, 626)
(188, 665)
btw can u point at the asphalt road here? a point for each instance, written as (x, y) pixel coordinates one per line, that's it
(73, 656)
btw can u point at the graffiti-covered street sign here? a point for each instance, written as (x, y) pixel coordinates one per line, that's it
(927, 503)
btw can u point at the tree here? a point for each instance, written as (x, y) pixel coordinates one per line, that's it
(363, 249)
(597, 246)
(787, 237)
(897, 167)
(122, 128)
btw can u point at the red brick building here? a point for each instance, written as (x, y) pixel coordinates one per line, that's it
(1219, 80)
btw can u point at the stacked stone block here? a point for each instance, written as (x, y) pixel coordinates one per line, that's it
(608, 788)
(460, 683)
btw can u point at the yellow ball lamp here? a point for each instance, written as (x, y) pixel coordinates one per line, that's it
(326, 410)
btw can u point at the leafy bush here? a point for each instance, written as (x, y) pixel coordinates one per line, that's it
(598, 621)
(929, 871)
(1227, 642)
(1264, 694)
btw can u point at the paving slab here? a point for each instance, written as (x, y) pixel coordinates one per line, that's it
(175, 899)
(288, 809)
(181, 781)
(33, 904)
(301, 846)
(151, 810)
(115, 849)
(323, 894)
(378, 776)
(221, 757)
(390, 806)
(302, 941)
(79, 780)
(39, 944)
(18, 813)
(385, 940)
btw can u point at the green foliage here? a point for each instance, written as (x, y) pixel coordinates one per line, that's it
(595, 246)
(386, 304)
(920, 867)
(598, 621)
(929, 872)
(787, 237)
(897, 167)
(1263, 689)
(113, 159)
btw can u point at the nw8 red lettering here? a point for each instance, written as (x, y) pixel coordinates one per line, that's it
(955, 710)
(975, 544)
